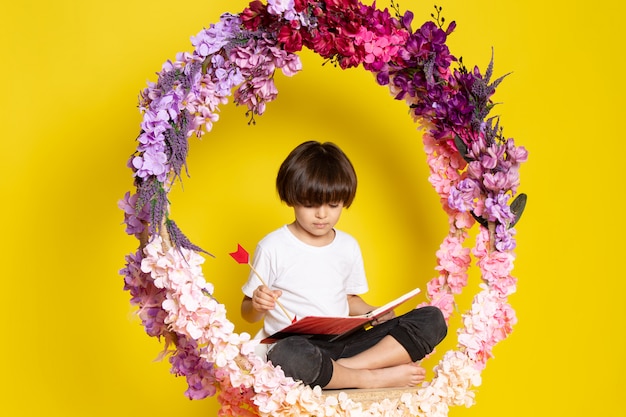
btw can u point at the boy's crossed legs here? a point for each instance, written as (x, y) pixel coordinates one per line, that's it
(382, 357)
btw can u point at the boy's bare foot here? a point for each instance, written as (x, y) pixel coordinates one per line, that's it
(405, 375)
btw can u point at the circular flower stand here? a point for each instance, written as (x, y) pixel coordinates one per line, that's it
(473, 168)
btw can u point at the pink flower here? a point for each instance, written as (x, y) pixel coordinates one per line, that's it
(464, 220)
(454, 259)
(496, 267)
(445, 302)
(290, 64)
(506, 319)
(270, 389)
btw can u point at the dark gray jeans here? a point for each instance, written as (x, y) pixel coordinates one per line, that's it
(310, 360)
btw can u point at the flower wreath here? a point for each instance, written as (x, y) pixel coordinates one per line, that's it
(473, 168)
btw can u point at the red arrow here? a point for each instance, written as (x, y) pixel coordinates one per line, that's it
(241, 256)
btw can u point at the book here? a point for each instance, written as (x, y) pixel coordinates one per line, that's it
(333, 328)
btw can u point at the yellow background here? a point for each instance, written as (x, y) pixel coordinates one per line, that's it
(71, 73)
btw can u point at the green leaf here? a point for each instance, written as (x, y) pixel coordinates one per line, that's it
(461, 147)
(480, 220)
(517, 207)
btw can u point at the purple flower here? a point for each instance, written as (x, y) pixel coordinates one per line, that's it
(133, 219)
(406, 20)
(188, 361)
(515, 155)
(382, 78)
(153, 319)
(286, 8)
(496, 181)
(504, 238)
(492, 155)
(154, 123)
(475, 169)
(402, 81)
(429, 44)
(145, 295)
(224, 74)
(258, 61)
(463, 195)
(151, 163)
(498, 210)
(217, 36)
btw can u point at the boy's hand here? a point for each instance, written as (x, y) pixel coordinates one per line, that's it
(387, 316)
(264, 299)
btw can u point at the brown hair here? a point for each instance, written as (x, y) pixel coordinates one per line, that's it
(316, 173)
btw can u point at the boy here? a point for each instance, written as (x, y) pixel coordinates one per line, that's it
(316, 269)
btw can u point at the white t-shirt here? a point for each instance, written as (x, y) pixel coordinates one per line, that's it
(314, 280)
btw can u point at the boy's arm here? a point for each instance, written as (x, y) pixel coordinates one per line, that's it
(248, 312)
(358, 306)
(263, 299)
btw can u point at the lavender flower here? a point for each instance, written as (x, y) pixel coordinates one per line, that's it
(479, 90)
(176, 143)
(151, 194)
(162, 114)
(179, 240)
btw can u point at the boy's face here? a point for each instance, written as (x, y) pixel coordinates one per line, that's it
(314, 224)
